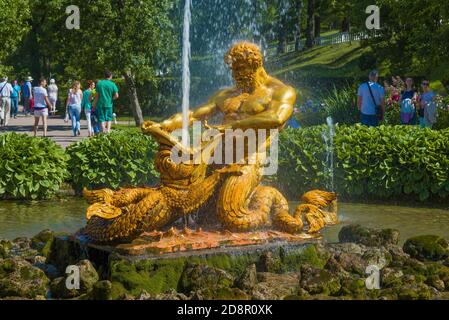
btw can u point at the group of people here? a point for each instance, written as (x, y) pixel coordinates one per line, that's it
(415, 107)
(96, 101)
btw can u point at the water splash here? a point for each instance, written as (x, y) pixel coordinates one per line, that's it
(328, 136)
(186, 55)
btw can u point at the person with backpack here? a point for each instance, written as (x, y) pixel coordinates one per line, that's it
(371, 101)
(5, 101)
(407, 103)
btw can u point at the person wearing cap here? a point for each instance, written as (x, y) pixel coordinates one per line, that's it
(5, 100)
(52, 95)
(371, 101)
(27, 93)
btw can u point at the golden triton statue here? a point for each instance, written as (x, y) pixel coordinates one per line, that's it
(231, 193)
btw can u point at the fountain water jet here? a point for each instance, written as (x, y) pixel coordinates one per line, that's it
(186, 53)
(328, 136)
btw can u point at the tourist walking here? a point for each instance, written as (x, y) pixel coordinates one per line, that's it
(407, 102)
(27, 93)
(5, 101)
(73, 107)
(428, 109)
(86, 105)
(15, 98)
(106, 92)
(41, 105)
(53, 95)
(371, 101)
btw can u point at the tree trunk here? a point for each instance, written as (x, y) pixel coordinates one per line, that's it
(134, 99)
(345, 25)
(298, 25)
(310, 23)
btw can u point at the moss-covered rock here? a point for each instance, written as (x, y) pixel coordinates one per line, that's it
(5, 249)
(272, 286)
(102, 290)
(248, 279)
(368, 237)
(18, 278)
(428, 247)
(353, 287)
(202, 277)
(318, 281)
(414, 292)
(43, 241)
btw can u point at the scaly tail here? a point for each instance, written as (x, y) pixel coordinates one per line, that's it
(325, 201)
(150, 213)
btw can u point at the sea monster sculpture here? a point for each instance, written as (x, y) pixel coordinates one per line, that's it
(232, 193)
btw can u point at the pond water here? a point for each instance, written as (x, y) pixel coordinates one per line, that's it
(25, 219)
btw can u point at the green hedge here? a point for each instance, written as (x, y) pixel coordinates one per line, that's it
(118, 159)
(381, 163)
(30, 168)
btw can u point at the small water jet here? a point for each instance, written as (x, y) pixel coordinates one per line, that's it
(328, 136)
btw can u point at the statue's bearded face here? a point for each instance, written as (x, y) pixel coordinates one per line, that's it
(244, 59)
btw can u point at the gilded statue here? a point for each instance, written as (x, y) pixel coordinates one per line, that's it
(231, 194)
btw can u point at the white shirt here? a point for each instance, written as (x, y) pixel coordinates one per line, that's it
(75, 98)
(39, 94)
(53, 91)
(6, 89)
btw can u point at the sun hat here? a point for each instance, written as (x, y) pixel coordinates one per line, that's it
(29, 79)
(52, 81)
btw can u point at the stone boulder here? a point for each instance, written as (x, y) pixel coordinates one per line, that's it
(18, 278)
(42, 242)
(201, 277)
(318, 281)
(272, 286)
(368, 237)
(427, 248)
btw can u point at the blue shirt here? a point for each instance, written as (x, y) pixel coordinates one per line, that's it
(368, 106)
(427, 97)
(27, 89)
(15, 91)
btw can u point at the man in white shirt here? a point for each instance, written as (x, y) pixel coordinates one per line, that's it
(52, 95)
(5, 101)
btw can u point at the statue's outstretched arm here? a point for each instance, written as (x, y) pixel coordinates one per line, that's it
(275, 116)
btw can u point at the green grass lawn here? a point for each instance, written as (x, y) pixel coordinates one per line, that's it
(334, 61)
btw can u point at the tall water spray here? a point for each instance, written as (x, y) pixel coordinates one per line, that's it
(328, 136)
(186, 53)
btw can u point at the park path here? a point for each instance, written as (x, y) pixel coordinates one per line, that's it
(58, 130)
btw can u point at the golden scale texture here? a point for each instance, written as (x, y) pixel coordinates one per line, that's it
(233, 193)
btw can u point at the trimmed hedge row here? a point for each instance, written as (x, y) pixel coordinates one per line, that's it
(383, 162)
(118, 159)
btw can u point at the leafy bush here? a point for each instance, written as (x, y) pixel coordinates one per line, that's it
(30, 168)
(341, 105)
(384, 162)
(118, 159)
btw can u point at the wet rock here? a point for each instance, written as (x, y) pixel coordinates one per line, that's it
(353, 287)
(379, 257)
(18, 278)
(431, 248)
(102, 290)
(50, 270)
(318, 281)
(436, 282)
(22, 248)
(272, 286)
(269, 263)
(248, 279)
(417, 291)
(346, 263)
(368, 237)
(60, 290)
(5, 249)
(391, 278)
(398, 256)
(42, 242)
(349, 247)
(88, 277)
(198, 277)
